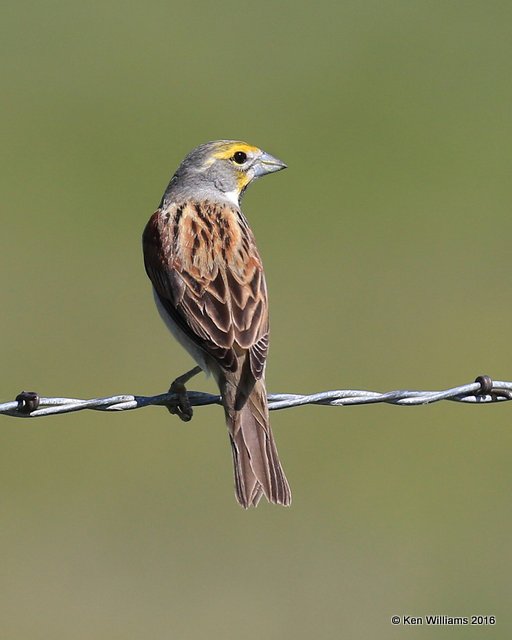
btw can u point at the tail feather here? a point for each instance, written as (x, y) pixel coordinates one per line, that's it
(256, 462)
(248, 490)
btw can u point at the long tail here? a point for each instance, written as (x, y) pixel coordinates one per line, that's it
(255, 459)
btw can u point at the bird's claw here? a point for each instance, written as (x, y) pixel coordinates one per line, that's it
(181, 406)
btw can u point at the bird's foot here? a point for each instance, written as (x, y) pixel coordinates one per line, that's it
(181, 406)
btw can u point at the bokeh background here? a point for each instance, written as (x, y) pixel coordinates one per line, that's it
(387, 251)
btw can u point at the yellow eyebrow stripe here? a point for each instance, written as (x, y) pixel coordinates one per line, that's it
(228, 150)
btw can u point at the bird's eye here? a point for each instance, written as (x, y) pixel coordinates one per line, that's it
(239, 157)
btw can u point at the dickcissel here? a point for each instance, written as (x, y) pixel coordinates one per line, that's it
(209, 287)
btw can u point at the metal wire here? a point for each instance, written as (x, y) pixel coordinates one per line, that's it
(483, 390)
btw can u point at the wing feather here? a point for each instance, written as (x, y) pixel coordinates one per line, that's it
(206, 271)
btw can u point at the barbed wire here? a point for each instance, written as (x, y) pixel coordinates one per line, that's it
(29, 404)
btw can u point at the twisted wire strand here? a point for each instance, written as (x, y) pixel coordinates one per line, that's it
(484, 390)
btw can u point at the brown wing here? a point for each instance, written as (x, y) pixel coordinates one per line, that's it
(206, 270)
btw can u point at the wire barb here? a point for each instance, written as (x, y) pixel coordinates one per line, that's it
(29, 404)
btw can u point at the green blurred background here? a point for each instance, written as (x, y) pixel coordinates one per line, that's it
(387, 251)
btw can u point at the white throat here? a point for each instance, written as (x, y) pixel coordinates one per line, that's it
(233, 196)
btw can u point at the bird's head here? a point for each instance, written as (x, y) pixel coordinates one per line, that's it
(225, 166)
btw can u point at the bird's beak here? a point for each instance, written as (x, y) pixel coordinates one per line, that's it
(267, 164)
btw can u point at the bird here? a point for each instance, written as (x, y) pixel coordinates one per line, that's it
(209, 287)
